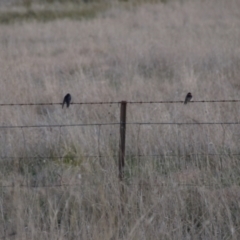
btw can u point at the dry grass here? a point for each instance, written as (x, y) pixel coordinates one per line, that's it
(150, 52)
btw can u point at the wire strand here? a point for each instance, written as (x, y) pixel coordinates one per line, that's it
(118, 102)
(126, 155)
(118, 123)
(182, 123)
(77, 185)
(59, 125)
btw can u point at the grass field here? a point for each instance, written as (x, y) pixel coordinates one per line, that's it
(120, 51)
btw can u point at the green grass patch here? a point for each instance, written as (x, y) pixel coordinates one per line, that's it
(46, 15)
(78, 9)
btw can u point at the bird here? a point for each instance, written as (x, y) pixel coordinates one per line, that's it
(188, 98)
(67, 100)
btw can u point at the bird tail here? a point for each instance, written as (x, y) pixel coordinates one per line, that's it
(185, 102)
(63, 104)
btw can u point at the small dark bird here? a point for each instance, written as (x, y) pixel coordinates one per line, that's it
(188, 98)
(67, 100)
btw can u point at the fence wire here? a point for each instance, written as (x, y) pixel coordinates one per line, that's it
(118, 123)
(118, 102)
(126, 155)
(16, 184)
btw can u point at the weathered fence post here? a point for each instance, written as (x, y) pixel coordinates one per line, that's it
(121, 159)
(123, 116)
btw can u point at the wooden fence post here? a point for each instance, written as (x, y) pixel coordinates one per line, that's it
(121, 159)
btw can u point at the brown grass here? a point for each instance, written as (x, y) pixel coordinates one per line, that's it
(146, 53)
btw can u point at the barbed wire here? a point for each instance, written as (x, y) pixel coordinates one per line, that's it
(196, 101)
(46, 104)
(16, 184)
(59, 125)
(118, 123)
(182, 123)
(118, 102)
(126, 155)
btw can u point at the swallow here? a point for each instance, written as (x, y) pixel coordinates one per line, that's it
(188, 98)
(67, 100)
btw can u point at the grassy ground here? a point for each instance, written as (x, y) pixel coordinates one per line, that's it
(49, 12)
(136, 53)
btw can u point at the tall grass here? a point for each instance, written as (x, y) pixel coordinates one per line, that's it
(151, 52)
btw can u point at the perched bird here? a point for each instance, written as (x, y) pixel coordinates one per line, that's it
(188, 98)
(67, 100)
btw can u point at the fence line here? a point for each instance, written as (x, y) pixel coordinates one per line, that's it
(182, 123)
(77, 185)
(122, 124)
(60, 125)
(118, 102)
(46, 104)
(126, 155)
(196, 101)
(118, 123)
